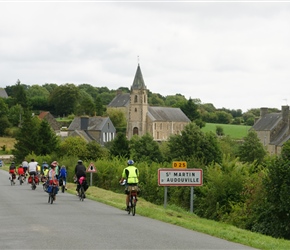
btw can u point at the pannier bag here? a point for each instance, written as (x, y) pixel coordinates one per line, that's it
(49, 189)
(36, 179)
(30, 179)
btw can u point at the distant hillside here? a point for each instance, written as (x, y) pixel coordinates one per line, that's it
(234, 131)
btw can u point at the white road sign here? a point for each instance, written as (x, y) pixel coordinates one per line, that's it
(179, 177)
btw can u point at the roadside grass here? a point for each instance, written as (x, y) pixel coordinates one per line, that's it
(234, 131)
(177, 216)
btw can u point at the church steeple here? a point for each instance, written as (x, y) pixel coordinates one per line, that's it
(138, 82)
(138, 107)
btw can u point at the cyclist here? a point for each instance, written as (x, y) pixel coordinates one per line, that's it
(20, 171)
(80, 171)
(25, 165)
(44, 164)
(131, 174)
(52, 175)
(12, 171)
(63, 175)
(32, 168)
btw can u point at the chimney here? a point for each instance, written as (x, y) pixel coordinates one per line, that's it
(119, 91)
(263, 112)
(84, 122)
(285, 113)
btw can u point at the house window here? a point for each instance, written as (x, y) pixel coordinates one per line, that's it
(136, 98)
(160, 126)
(144, 98)
(108, 125)
(135, 131)
(135, 109)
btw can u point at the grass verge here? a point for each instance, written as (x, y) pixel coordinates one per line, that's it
(177, 216)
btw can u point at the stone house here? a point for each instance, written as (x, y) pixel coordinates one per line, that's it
(97, 128)
(159, 122)
(273, 129)
(50, 119)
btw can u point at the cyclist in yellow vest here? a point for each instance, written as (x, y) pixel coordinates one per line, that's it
(131, 174)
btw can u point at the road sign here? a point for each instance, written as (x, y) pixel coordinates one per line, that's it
(91, 168)
(179, 164)
(179, 177)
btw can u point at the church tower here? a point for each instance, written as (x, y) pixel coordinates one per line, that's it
(138, 106)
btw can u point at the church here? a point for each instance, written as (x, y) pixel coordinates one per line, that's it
(159, 122)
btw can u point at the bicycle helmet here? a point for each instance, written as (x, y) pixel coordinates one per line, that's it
(54, 164)
(80, 161)
(130, 162)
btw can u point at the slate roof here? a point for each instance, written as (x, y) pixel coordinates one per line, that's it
(83, 134)
(120, 100)
(267, 122)
(95, 123)
(167, 114)
(138, 82)
(280, 137)
(3, 93)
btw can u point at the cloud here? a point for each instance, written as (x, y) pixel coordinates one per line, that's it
(233, 55)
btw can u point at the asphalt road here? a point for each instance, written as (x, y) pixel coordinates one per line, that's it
(27, 221)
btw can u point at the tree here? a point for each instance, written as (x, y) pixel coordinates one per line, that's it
(193, 143)
(285, 153)
(155, 100)
(99, 106)
(19, 94)
(27, 139)
(4, 124)
(120, 146)
(175, 100)
(117, 117)
(224, 117)
(48, 141)
(219, 130)
(85, 105)
(94, 151)
(252, 149)
(190, 109)
(73, 146)
(145, 149)
(15, 115)
(64, 99)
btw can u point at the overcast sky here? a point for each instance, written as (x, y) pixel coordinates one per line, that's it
(233, 54)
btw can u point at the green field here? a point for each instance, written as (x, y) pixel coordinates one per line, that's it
(234, 131)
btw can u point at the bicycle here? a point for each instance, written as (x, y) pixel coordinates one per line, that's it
(12, 178)
(32, 179)
(62, 184)
(21, 179)
(82, 184)
(52, 190)
(133, 190)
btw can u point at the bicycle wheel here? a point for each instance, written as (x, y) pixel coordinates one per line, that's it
(52, 194)
(62, 188)
(133, 205)
(130, 205)
(82, 193)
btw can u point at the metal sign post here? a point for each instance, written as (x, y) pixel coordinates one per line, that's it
(180, 177)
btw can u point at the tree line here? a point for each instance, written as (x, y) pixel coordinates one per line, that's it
(71, 100)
